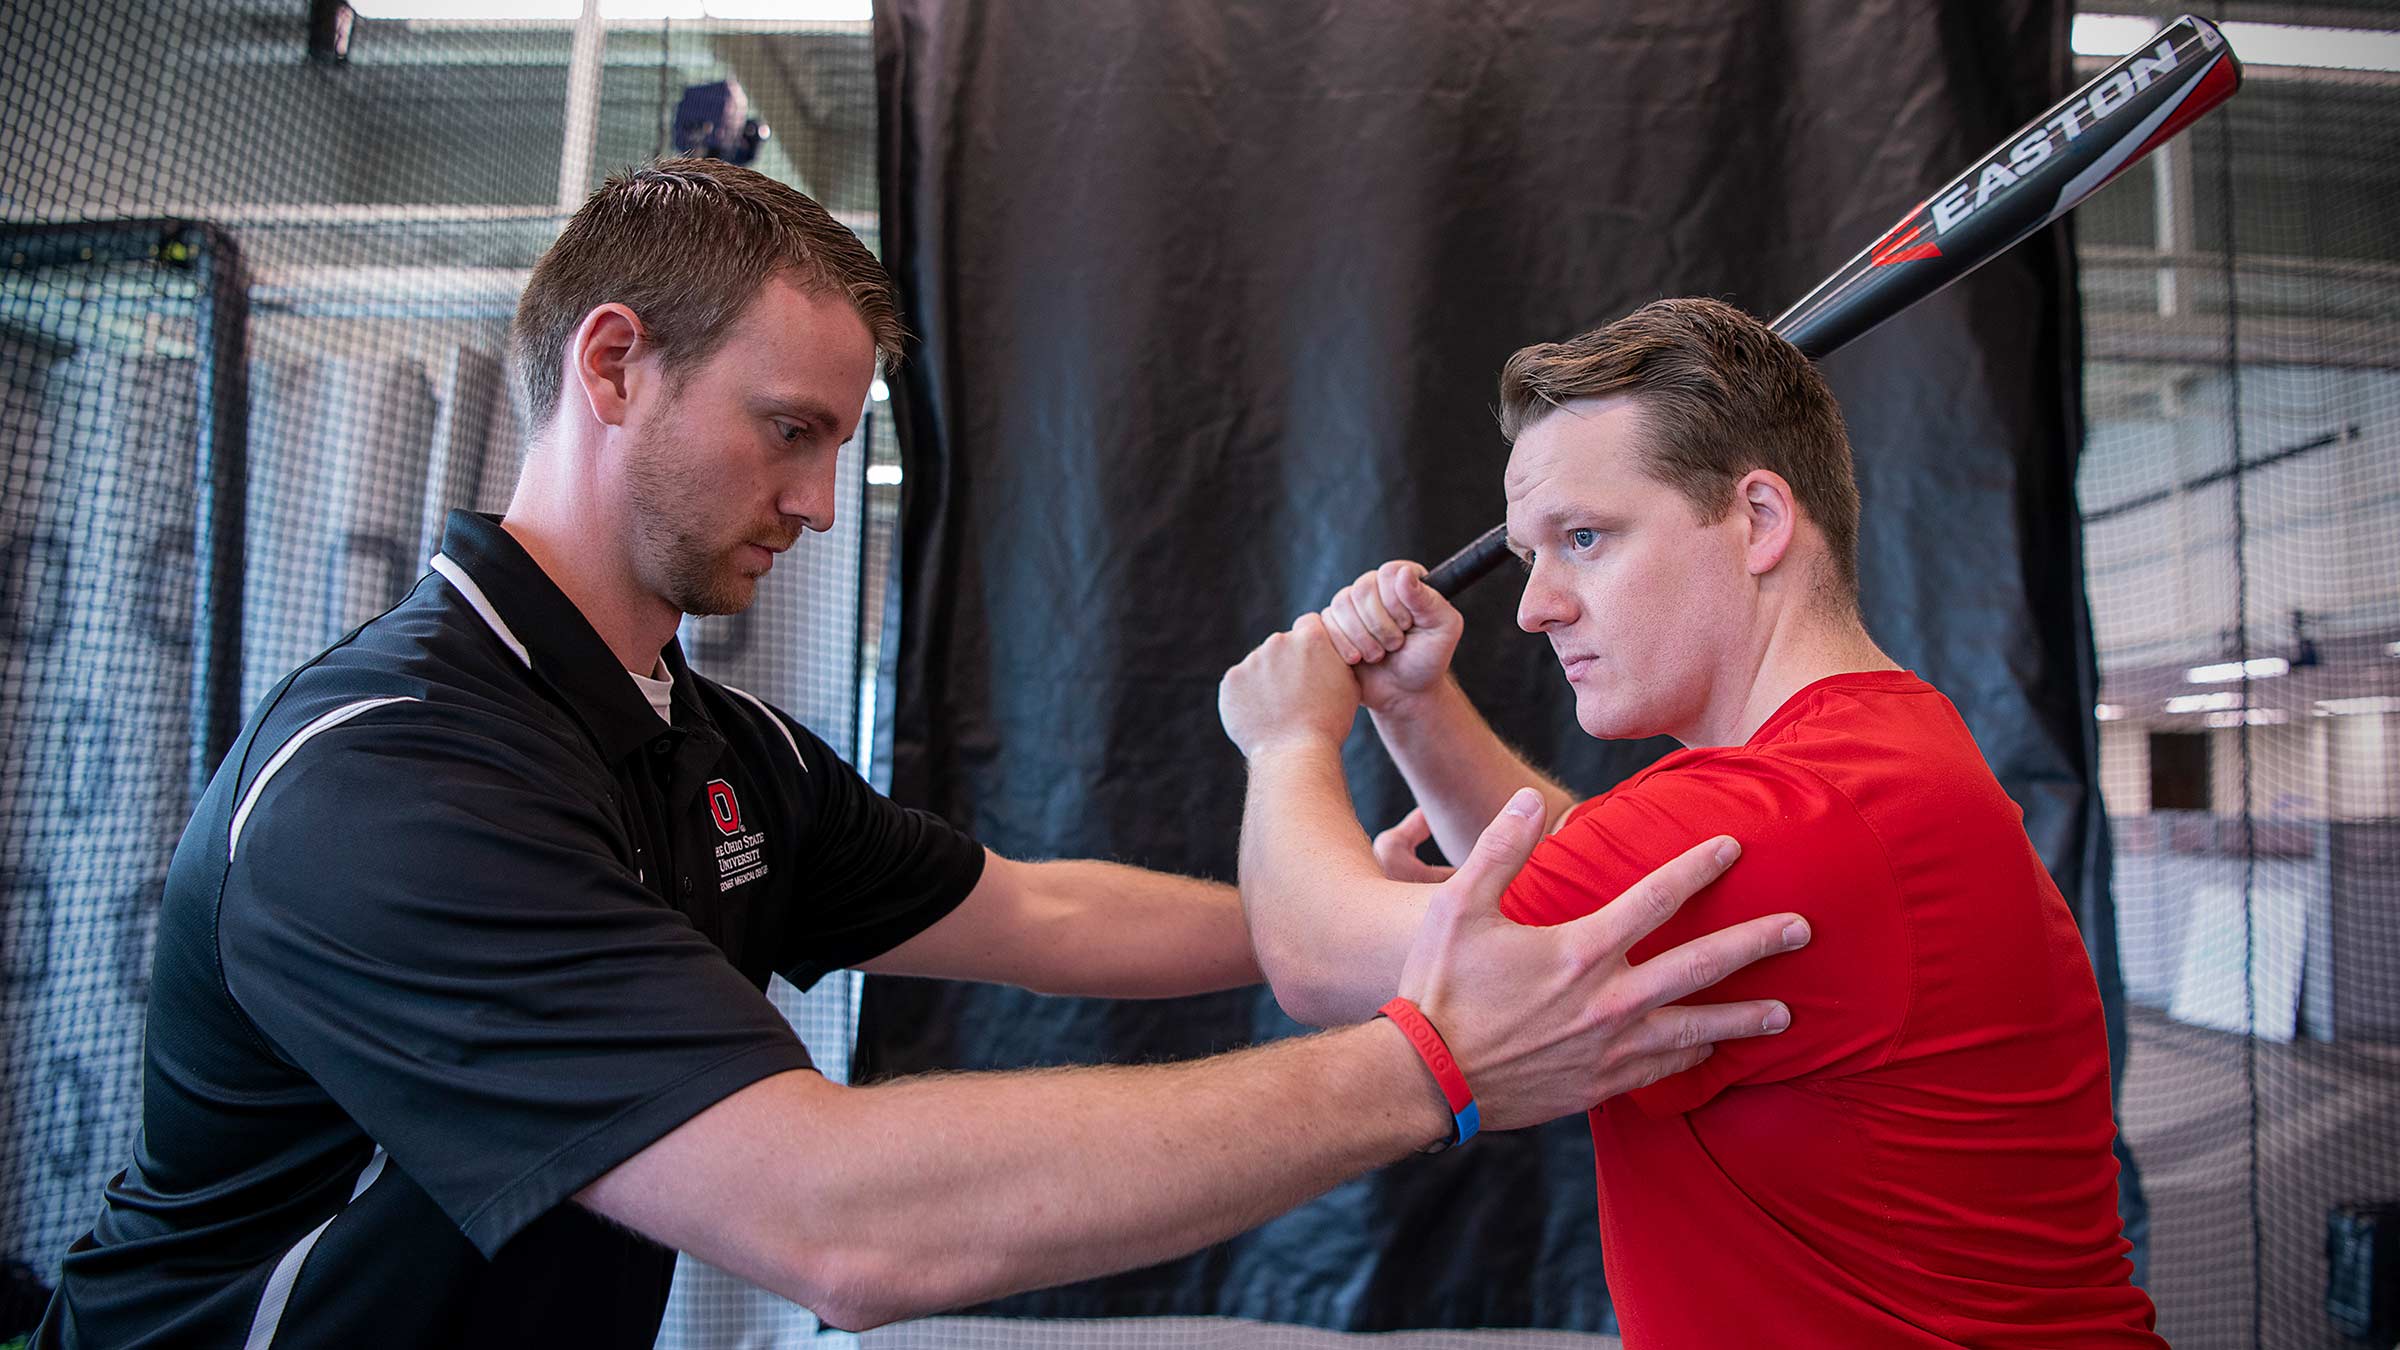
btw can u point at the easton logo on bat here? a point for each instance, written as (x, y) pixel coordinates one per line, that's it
(1968, 195)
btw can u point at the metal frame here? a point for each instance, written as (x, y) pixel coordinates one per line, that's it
(221, 459)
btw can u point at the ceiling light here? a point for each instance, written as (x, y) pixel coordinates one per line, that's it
(879, 391)
(2192, 703)
(2258, 44)
(2258, 668)
(2283, 44)
(2257, 717)
(2348, 707)
(467, 9)
(792, 11)
(2107, 712)
(619, 11)
(884, 475)
(2109, 34)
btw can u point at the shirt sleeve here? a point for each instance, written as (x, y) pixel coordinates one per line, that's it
(878, 873)
(422, 921)
(1804, 850)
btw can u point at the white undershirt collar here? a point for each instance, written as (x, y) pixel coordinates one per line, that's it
(659, 688)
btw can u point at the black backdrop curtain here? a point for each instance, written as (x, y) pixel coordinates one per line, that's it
(1213, 294)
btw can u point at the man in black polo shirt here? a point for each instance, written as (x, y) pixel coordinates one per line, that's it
(457, 1025)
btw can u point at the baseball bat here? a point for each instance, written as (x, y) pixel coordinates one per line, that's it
(2044, 170)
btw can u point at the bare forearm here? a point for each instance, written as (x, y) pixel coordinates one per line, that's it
(1090, 928)
(1331, 930)
(1125, 932)
(1459, 769)
(1040, 1179)
(876, 1204)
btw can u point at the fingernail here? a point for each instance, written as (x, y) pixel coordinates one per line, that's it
(1777, 1018)
(1727, 852)
(1795, 933)
(1527, 803)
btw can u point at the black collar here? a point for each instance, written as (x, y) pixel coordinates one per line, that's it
(535, 619)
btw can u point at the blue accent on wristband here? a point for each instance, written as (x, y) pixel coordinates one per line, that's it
(1469, 1121)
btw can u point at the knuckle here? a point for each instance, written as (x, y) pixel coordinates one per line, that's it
(1695, 971)
(1688, 1034)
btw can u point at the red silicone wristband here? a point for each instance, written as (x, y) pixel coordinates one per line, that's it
(1440, 1063)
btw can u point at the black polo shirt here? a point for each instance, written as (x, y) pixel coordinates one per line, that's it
(459, 926)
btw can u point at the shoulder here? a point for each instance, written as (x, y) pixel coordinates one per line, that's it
(385, 759)
(1765, 791)
(1795, 829)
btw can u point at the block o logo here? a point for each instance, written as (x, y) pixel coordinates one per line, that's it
(722, 808)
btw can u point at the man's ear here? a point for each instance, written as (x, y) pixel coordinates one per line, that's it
(1770, 518)
(601, 358)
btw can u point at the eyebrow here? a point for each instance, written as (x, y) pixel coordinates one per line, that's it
(796, 406)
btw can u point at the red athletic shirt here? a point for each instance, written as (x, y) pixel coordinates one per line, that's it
(1922, 1159)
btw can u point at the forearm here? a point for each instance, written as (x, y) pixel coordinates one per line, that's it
(1330, 929)
(1040, 1179)
(1112, 931)
(876, 1204)
(1090, 928)
(1458, 768)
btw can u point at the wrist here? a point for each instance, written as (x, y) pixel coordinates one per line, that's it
(1425, 1123)
(1295, 743)
(1442, 1067)
(1404, 708)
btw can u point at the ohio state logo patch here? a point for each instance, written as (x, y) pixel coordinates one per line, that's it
(722, 808)
(741, 857)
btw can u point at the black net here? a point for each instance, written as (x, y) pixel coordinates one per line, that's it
(116, 406)
(232, 252)
(2238, 492)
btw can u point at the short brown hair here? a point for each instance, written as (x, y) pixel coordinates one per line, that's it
(686, 244)
(1720, 395)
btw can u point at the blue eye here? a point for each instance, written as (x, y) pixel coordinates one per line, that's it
(788, 432)
(1583, 539)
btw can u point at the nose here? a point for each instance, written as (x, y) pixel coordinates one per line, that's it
(1546, 604)
(809, 495)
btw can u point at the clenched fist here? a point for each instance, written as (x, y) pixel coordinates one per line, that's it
(1295, 688)
(1397, 631)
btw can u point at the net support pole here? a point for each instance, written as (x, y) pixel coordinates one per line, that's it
(220, 474)
(583, 108)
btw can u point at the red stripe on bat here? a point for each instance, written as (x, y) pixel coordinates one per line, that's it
(2214, 86)
(1893, 247)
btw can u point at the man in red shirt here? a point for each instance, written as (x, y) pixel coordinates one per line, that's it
(1923, 1159)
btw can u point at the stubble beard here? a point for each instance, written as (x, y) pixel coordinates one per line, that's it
(674, 555)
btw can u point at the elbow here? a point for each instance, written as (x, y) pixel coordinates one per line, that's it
(855, 1318)
(854, 1289)
(1305, 987)
(1309, 1007)
(848, 1292)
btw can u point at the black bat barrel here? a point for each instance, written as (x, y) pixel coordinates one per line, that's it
(2047, 168)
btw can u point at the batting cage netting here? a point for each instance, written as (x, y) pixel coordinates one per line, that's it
(260, 257)
(252, 335)
(2240, 488)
